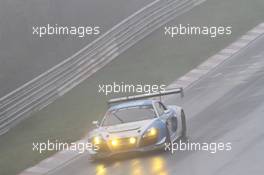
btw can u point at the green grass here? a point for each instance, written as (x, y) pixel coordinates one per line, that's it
(156, 59)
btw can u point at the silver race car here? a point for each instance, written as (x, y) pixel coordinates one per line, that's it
(137, 124)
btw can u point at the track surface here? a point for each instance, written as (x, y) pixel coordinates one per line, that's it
(225, 106)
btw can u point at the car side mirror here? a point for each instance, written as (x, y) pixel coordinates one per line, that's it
(96, 123)
(167, 111)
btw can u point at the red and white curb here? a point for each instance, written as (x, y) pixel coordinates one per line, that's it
(62, 158)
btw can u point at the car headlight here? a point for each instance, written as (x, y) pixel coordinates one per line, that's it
(152, 132)
(97, 140)
(114, 142)
(132, 140)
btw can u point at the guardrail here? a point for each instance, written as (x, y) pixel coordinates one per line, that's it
(47, 87)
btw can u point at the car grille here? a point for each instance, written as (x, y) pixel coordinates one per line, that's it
(103, 147)
(123, 144)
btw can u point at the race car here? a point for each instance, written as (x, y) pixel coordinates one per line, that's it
(137, 124)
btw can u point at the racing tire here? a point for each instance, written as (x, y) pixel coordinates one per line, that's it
(168, 139)
(184, 126)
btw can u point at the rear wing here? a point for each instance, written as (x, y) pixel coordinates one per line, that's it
(150, 95)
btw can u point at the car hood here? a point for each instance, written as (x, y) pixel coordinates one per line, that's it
(126, 129)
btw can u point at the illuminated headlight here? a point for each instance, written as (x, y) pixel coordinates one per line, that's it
(152, 132)
(97, 140)
(99, 144)
(132, 140)
(114, 142)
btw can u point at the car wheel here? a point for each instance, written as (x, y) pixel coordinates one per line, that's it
(168, 139)
(184, 127)
(174, 124)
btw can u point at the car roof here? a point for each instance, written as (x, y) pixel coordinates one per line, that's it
(131, 104)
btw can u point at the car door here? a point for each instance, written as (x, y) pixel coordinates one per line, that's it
(168, 116)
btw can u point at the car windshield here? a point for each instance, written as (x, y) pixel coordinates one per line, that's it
(131, 114)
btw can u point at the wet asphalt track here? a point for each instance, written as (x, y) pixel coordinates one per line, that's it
(227, 105)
